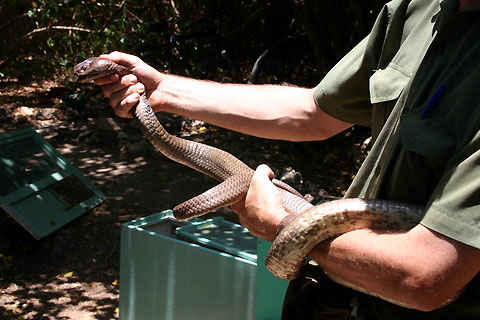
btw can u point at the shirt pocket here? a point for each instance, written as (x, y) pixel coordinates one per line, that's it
(433, 137)
(385, 87)
(387, 84)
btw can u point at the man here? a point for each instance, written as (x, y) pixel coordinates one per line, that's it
(414, 80)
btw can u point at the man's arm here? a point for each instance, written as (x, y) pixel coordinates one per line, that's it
(268, 111)
(420, 267)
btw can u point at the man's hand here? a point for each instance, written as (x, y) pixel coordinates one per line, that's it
(261, 210)
(124, 92)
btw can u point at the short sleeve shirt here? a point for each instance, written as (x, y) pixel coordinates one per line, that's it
(429, 54)
(416, 81)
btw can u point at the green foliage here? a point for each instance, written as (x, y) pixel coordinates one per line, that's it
(47, 37)
(43, 35)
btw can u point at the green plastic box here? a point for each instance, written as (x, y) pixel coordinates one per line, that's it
(200, 269)
(270, 290)
(39, 188)
(165, 276)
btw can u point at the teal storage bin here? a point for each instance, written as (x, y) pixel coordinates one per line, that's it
(39, 188)
(163, 275)
(200, 269)
(270, 289)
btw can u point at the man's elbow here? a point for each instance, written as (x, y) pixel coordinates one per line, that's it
(429, 292)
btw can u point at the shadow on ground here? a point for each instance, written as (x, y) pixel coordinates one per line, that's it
(74, 273)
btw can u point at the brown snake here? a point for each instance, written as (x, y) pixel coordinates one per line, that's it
(310, 226)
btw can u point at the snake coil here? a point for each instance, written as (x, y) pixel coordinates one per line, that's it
(310, 225)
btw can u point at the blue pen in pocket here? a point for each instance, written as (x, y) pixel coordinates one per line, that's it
(433, 100)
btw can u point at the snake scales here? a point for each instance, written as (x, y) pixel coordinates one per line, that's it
(311, 224)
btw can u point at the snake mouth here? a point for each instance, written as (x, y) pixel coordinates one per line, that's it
(91, 76)
(83, 79)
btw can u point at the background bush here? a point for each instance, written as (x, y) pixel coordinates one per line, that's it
(46, 37)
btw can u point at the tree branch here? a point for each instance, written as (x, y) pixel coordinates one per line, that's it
(67, 28)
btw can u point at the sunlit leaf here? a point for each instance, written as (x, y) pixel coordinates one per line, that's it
(68, 274)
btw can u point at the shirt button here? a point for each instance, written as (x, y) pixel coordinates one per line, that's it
(439, 49)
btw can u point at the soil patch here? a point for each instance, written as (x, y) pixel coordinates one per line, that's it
(74, 273)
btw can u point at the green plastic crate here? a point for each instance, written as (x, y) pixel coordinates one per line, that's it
(270, 289)
(200, 269)
(222, 235)
(39, 188)
(164, 275)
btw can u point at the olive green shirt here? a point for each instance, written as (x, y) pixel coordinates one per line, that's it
(416, 81)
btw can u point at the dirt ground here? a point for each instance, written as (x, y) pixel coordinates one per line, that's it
(74, 272)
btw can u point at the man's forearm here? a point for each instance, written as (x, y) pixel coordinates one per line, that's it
(418, 268)
(268, 111)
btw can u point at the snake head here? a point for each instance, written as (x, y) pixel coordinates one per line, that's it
(93, 68)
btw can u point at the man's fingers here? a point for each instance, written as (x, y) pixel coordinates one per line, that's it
(262, 175)
(124, 107)
(125, 82)
(124, 94)
(107, 79)
(118, 96)
(124, 59)
(264, 170)
(261, 209)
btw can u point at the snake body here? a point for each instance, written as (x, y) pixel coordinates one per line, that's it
(310, 225)
(234, 175)
(330, 219)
